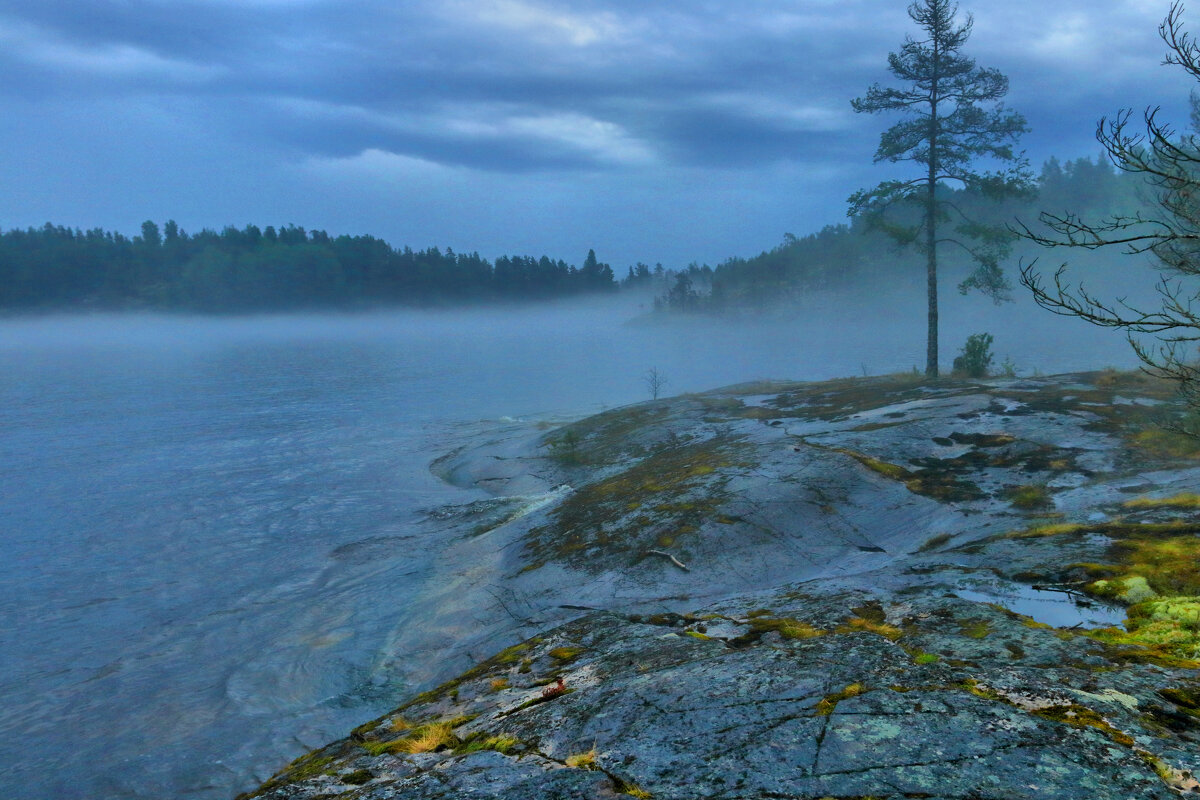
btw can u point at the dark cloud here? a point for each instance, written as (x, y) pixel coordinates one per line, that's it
(541, 87)
(644, 69)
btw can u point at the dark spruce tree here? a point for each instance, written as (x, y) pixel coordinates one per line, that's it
(944, 132)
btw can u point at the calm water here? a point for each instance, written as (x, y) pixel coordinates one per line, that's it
(209, 527)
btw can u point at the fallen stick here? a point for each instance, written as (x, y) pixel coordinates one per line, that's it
(670, 558)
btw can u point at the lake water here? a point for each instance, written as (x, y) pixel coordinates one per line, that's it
(209, 526)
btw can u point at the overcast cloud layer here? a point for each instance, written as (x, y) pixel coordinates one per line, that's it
(651, 130)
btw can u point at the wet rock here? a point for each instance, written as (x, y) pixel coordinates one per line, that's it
(841, 627)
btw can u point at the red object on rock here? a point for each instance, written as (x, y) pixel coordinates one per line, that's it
(555, 690)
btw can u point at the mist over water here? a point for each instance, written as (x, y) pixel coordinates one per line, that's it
(208, 523)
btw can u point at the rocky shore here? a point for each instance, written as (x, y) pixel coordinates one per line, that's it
(862, 588)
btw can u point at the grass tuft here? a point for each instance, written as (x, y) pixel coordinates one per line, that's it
(583, 760)
(858, 624)
(428, 739)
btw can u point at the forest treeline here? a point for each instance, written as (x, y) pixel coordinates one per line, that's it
(269, 269)
(855, 257)
(252, 269)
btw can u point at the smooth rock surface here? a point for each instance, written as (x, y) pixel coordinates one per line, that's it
(816, 643)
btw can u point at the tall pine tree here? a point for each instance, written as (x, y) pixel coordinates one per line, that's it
(944, 131)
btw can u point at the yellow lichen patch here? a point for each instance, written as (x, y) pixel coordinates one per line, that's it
(582, 760)
(1185, 500)
(829, 703)
(635, 791)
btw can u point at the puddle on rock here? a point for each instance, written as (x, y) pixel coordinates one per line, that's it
(1060, 609)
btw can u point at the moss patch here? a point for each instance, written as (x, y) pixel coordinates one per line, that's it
(1078, 716)
(786, 627)
(357, 778)
(975, 628)
(1117, 529)
(1183, 501)
(565, 654)
(673, 492)
(762, 622)
(1167, 444)
(1187, 699)
(1154, 570)
(935, 478)
(841, 399)
(1029, 498)
(1168, 564)
(605, 438)
(935, 542)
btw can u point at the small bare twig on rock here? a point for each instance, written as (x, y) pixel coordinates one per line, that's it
(670, 558)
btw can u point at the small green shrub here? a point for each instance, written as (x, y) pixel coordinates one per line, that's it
(976, 358)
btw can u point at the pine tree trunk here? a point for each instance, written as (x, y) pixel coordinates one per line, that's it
(931, 346)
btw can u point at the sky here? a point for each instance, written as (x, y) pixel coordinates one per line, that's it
(650, 130)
